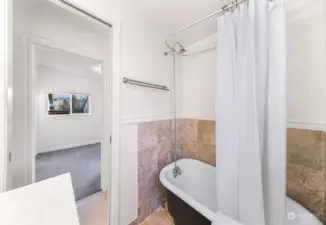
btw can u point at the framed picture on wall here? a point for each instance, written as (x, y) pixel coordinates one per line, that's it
(80, 104)
(59, 104)
(68, 104)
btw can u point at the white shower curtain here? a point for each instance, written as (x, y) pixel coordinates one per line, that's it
(250, 114)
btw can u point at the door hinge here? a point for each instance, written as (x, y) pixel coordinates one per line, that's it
(110, 139)
(9, 157)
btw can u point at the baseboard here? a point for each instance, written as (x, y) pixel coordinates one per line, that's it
(306, 125)
(69, 146)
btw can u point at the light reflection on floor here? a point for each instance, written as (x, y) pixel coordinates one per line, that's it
(94, 209)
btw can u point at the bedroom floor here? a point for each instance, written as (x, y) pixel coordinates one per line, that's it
(83, 163)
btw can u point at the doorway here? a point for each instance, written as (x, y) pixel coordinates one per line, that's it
(62, 111)
(69, 102)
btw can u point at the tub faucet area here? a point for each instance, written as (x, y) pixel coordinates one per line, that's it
(176, 171)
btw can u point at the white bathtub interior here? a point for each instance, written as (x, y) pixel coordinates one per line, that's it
(196, 186)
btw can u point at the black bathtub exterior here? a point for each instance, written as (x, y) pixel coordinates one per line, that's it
(182, 213)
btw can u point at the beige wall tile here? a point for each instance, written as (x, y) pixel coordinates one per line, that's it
(147, 135)
(199, 140)
(305, 185)
(207, 153)
(206, 131)
(190, 138)
(324, 176)
(324, 200)
(190, 129)
(190, 148)
(304, 147)
(178, 126)
(164, 131)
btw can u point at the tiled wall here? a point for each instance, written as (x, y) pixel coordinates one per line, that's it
(305, 169)
(305, 154)
(192, 138)
(196, 139)
(155, 141)
(199, 140)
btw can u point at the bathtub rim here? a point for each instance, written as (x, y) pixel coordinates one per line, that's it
(202, 209)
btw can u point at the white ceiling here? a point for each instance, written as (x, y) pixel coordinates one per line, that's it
(174, 13)
(168, 14)
(34, 9)
(171, 15)
(69, 63)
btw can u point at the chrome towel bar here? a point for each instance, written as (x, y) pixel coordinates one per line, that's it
(144, 84)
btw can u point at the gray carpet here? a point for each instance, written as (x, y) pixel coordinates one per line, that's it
(84, 164)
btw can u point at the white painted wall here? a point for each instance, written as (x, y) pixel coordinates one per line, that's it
(143, 59)
(198, 80)
(306, 72)
(63, 29)
(306, 68)
(65, 131)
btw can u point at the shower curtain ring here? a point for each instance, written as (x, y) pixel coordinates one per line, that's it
(224, 8)
(232, 7)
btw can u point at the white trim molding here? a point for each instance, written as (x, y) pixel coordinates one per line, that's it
(5, 92)
(114, 155)
(211, 118)
(133, 120)
(307, 125)
(63, 147)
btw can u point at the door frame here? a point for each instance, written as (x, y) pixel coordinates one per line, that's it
(6, 93)
(31, 42)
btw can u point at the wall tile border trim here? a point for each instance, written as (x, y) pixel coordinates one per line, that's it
(134, 120)
(297, 124)
(307, 125)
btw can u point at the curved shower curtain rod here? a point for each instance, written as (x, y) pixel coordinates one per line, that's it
(221, 10)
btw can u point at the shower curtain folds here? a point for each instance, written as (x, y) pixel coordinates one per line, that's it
(250, 114)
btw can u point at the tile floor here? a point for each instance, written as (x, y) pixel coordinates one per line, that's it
(159, 217)
(93, 210)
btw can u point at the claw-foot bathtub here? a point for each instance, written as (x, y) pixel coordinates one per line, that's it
(191, 197)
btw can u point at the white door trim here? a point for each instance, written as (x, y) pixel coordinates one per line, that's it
(114, 156)
(5, 93)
